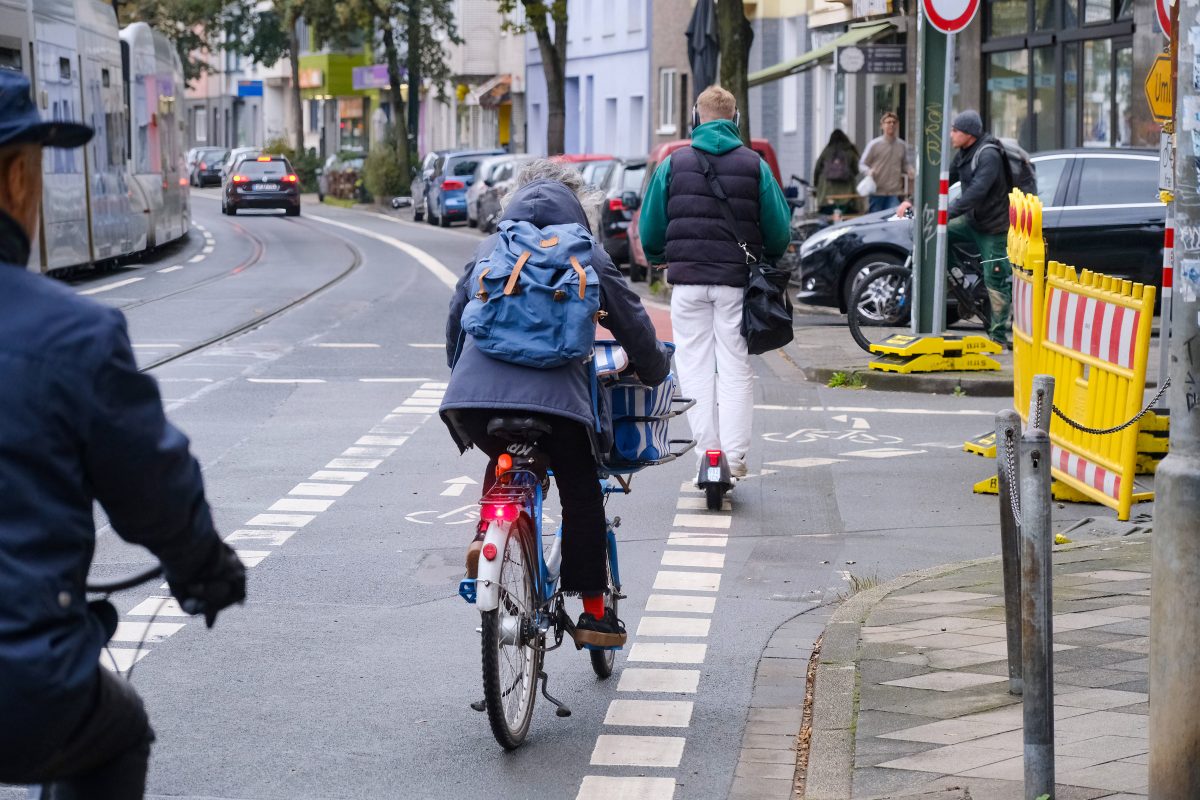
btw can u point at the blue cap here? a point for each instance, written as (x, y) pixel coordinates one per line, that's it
(20, 122)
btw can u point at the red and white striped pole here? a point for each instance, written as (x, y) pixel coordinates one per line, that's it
(1164, 309)
(940, 263)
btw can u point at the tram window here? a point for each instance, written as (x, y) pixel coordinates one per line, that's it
(64, 69)
(10, 58)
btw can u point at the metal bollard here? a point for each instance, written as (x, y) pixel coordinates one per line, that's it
(1008, 437)
(1037, 602)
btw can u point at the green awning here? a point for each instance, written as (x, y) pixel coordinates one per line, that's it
(861, 32)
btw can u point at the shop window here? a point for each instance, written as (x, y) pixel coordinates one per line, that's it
(1045, 114)
(1097, 11)
(1124, 96)
(1045, 14)
(1097, 93)
(1008, 18)
(1070, 92)
(1109, 181)
(1008, 93)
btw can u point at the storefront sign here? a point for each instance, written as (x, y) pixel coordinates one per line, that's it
(372, 77)
(950, 16)
(1159, 92)
(350, 108)
(885, 59)
(311, 79)
(250, 89)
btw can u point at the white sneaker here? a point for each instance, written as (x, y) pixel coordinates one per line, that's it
(738, 469)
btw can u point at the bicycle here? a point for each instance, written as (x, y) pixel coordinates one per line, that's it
(883, 297)
(516, 588)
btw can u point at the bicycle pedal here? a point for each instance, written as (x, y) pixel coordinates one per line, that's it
(478, 705)
(620, 596)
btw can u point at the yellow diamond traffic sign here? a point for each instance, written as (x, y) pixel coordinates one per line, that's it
(1160, 93)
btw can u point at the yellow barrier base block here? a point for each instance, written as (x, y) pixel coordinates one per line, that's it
(1147, 464)
(906, 354)
(1158, 421)
(1058, 490)
(1151, 442)
(982, 445)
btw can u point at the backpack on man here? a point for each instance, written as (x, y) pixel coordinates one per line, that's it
(1019, 170)
(536, 296)
(837, 168)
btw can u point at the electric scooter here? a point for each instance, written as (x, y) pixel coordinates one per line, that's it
(714, 478)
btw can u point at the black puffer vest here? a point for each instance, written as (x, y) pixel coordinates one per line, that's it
(700, 247)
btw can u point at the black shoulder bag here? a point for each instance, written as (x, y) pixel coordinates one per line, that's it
(766, 307)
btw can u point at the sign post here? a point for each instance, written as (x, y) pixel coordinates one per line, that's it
(948, 17)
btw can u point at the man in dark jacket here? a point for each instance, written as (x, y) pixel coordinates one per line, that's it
(79, 424)
(482, 387)
(681, 225)
(979, 217)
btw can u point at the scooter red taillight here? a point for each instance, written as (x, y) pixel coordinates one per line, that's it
(714, 457)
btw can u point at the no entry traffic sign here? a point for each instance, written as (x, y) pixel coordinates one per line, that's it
(1163, 9)
(951, 16)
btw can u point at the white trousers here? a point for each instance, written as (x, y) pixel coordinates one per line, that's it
(707, 325)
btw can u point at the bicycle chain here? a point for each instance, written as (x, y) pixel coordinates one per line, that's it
(1010, 458)
(1105, 431)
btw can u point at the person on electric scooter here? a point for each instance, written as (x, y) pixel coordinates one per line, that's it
(482, 387)
(79, 424)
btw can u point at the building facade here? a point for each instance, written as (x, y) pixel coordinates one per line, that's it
(672, 90)
(607, 92)
(236, 103)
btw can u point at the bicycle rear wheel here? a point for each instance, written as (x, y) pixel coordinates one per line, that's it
(512, 656)
(880, 305)
(603, 660)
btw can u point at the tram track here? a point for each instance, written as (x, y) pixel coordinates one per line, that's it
(356, 260)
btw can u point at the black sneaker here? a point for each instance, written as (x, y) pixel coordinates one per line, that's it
(608, 631)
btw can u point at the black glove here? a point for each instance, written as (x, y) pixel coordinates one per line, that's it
(220, 584)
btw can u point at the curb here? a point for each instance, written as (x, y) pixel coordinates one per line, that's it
(927, 383)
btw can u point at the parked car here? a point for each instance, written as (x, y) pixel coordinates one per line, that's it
(439, 190)
(491, 203)
(637, 256)
(262, 182)
(346, 161)
(594, 166)
(492, 170)
(206, 168)
(236, 155)
(1101, 211)
(622, 195)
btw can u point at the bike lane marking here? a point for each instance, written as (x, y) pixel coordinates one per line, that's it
(305, 501)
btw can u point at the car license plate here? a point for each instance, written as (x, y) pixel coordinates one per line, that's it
(714, 474)
(266, 187)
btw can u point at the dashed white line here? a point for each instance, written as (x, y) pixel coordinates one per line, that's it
(684, 604)
(157, 607)
(252, 558)
(149, 632)
(338, 475)
(684, 627)
(650, 713)
(382, 441)
(272, 538)
(368, 452)
(120, 659)
(299, 504)
(668, 653)
(286, 380)
(175, 268)
(680, 558)
(354, 463)
(605, 787)
(687, 581)
(701, 521)
(346, 345)
(282, 520)
(680, 538)
(196, 259)
(638, 751)
(667, 681)
(108, 287)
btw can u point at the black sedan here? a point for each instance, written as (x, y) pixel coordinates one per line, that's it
(621, 188)
(262, 182)
(207, 167)
(1101, 212)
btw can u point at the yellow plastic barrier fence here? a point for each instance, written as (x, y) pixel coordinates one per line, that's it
(1096, 343)
(1027, 254)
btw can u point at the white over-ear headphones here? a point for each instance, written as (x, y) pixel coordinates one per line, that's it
(737, 116)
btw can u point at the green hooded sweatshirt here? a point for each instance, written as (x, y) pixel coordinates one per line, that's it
(716, 137)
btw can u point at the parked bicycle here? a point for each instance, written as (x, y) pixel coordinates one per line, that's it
(880, 303)
(516, 588)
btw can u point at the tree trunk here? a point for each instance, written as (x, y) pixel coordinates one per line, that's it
(554, 65)
(735, 32)
(297, 107)
(396, 128)
(414, 80)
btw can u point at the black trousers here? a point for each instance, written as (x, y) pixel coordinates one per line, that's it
(104, 758)
(569, 449)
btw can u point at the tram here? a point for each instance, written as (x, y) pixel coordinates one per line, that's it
(126, 191)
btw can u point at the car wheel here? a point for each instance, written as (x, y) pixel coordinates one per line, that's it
(292, 212)
(443, 222)
(859, 269)
(429, 214)
(418, 215)
(320, 197)
(472, 223)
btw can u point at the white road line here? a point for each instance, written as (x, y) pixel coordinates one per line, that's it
(286, 380)
(680, 538)
(108, 287)
(882, 452)
(268, 538)
(667, 653)
(252, 558)
(687, 487)
(454, 490)
(282, 520)
(157, 346)
(406, 410)
(682, 603)
(321, 489)
(666, 681)
(438, 393)
(388, 426)
(638, 751)
(701, 504)
(345, 345)
(687, 581)
(185, 380)
(368, 452)
(650, 713)
(208, 248)
(702, 521)
(150, 632)
(958, 412)
(681, 558)
(430, 385)
(195, 259)
(157, 606)
(353, 463)
(170, 269)
(430, 345)
(429, 403)
(605, 787)
(337, 475)
(435, 267)
(382, 441)
(390, 380)
(667, 627)
(293, 504)
(804, 463)
(120, 659)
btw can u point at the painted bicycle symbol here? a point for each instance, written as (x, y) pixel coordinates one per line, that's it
(808, 435)
(463, 515)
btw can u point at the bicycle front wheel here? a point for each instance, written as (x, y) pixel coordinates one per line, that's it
(512, 657)
(881, 301)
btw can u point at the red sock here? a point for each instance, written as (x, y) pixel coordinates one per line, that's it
(594, 605)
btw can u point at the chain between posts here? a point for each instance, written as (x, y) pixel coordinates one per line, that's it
(1103, 431)
(1010, 466)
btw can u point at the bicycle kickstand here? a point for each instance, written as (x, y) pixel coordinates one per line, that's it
(561, 709)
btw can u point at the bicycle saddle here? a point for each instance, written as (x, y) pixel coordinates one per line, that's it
(525, 430)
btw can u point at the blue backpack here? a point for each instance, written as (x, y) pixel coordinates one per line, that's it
(537, 296)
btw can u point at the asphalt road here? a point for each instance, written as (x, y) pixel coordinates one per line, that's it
(349, 671)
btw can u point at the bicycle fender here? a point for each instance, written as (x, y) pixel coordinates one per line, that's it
(487, 582)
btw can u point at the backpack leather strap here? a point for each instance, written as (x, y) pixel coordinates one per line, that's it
(482, 294)
(516, 273)
(582, 275)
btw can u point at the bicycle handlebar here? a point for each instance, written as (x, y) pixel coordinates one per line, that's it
(126, 583)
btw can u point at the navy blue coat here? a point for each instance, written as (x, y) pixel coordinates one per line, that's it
(78, 423)
(479, 381)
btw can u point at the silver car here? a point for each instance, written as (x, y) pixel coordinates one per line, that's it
(491, 171)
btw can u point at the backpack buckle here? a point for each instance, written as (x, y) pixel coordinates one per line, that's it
(559, 295)
(481, 296)
(750, 259)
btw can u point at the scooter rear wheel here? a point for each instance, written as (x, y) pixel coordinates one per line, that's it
(713, 495)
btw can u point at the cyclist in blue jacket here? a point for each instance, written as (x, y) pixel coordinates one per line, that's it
(78, 424)
(481, 387)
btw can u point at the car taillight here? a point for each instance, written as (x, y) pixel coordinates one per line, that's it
(615, 204)
(450, 186)
(239, 179)
(203, 166)
(290, 178)
(501, 512)
(714, 457)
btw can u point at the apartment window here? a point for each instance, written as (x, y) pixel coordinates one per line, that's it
(789, 107)
(609, 22)
(637, 11)
(200, 125)
(668, 101)
(314, 116)
(64, 69)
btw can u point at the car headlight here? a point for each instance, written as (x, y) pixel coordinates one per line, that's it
(822, 239)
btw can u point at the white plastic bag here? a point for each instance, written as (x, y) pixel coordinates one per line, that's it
(866, 186)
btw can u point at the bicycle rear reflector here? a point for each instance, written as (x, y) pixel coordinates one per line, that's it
(501, 512)
(489, 551)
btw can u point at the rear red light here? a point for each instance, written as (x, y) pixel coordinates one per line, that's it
(489, 551)
(501, 512)
(289, 178)
(239, 178)
(615, 204)
(450, 186)
(714, 457)
(203, 166)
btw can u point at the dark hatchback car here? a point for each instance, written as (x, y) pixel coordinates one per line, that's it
(622, 194)
(207, 168)
(262, 182)
(1101, 211)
